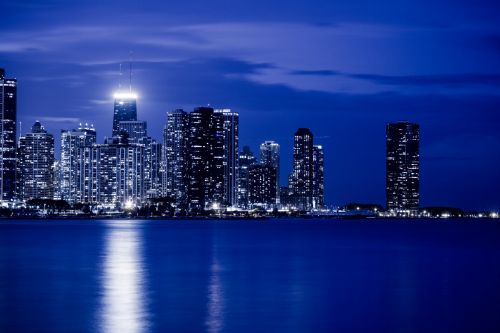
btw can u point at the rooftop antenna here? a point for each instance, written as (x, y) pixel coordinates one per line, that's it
(130, 67)
(120, 79)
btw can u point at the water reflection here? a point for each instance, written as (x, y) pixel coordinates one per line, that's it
(214, 321)
(123, 300)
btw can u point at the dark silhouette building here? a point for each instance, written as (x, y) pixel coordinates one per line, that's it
(8, 137)
(203, 174)
(270, 155)
(402, 166)
(318, 177)
(301, 178)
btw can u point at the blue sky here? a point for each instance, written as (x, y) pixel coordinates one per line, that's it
(344, 69)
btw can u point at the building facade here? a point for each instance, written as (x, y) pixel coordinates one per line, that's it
(402, 166)
(270, 155)
(36, 164)
(262, 186)
(246, 160)
(8, 136)
(70, 174)
(318, 177)
(226, 155)
(301, 178)
(125, 109)
(175, 158)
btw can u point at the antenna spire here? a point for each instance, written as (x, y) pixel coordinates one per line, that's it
(120, 79)
(130, 68)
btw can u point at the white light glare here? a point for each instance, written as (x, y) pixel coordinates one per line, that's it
(125, 95)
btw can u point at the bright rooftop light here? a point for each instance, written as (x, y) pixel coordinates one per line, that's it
(125, 95)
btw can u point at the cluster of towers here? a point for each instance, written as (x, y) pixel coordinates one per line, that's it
(198, 166)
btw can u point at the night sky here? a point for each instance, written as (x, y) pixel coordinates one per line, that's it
(342, 68)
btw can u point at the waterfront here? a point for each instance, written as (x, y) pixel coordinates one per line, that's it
(272, 275)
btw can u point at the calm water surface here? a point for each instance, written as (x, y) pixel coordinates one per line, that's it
(249, 276)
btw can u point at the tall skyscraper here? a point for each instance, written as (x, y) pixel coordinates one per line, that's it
(8, 137)
(175, 158)
(402, 166)
(201, 166)
(318, 177)
(36, 163)
(125, 109)
(246, 160)
(262, 186)
(70, 172)
(226, 156)
(270, 155)
(301, 178)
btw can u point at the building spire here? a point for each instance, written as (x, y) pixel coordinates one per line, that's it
(130, 71)
(120, 79)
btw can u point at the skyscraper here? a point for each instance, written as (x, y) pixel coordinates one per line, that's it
(226, 155)
(70, 172)
(301, 178)
(8, 138)
(201, 164)
(318, 177)
(270, 155)
(175, 158)
(36, 163)
(262, 186)
(246, 160)
(125, 109)
(402, 166)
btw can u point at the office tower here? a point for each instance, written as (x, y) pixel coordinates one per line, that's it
(125, 109)
(201, 166)
(136, 130)
(57, 180)
(318, 177)
(402, 166)
(262, 186)
(36, 163)
(301, 179)
(152, 168)
(175, 158)
(270, 155)
(119, 172)
(8, 137)
(246, 160)
(71, 142)
(226, 155)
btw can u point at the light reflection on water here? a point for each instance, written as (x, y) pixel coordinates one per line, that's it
(215, 306)
(123, 303)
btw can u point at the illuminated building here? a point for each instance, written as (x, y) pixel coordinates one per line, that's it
(262, 186)
(226, 156)
(270, 155)
(318, 177)
(125, 109)
(8, 137)
(246, 160)
(136, 130)
(71, 142)
(175, 158)
(201, 160)
(301, 178)
(36, 164)
(402, 166)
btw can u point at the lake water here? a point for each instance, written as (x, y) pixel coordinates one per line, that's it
(250, 276)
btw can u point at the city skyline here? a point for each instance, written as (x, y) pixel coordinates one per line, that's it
(345, 72)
